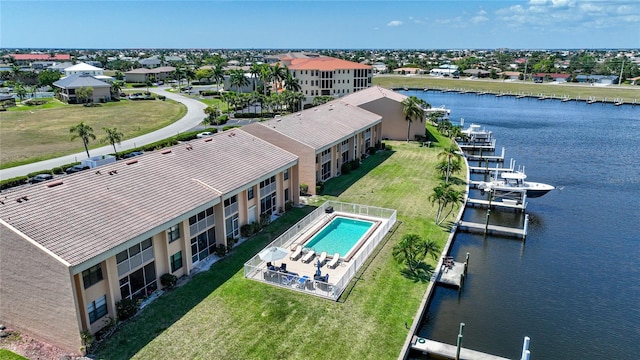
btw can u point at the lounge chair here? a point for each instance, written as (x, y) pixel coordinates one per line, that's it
(333, 263)
(323, 258)
(296, 253)
(308, 256)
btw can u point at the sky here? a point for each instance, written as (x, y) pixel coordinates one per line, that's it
(320, 24)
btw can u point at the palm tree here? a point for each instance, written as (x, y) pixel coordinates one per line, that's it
(20, 90)
(453, 198)
(238, 79)
(84, 94)
(439, 196)
(412, 110)
(291, 83)
(116, 87)
(449, 154)
(84, 132)
(412, 249)
(278, 73)
(255, 71)
(217, 74)
(113, 137)
(265, 76)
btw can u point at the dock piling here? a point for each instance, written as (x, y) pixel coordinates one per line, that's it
(525, 349)
(459, 343)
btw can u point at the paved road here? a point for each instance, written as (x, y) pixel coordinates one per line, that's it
(193, 118)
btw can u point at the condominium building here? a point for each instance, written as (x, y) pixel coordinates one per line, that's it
(324, 138)
(71, 248)
(327, 76)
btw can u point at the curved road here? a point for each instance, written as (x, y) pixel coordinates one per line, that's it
(193, 117)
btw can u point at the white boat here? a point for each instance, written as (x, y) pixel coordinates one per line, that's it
(514, 181)
(475, 134)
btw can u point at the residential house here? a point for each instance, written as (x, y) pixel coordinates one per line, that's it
(478, 73)
(324, 138)
(27, 59)
(70, 84)
(71, 248)
(408, 71)
(541, 77)
(142, 75)
(83, 68)
(445, 70)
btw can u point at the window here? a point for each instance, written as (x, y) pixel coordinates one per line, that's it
(202, 221)
(231, 206)
(173, 233)
(134, 257)
(203, 245)
(326, 170)
(286, 174)
(176, 261)
(97, 309)
(92, 276)
(286, 195)
(140, 283)
(231, 226)
(250, 194)
(268, 204)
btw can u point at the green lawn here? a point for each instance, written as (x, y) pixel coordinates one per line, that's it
(37, 133)
(220, 314)
(8, 355)
(626, 92)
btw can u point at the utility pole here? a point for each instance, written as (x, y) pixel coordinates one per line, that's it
(621, 71)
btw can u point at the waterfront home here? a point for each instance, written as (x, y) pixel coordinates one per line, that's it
(71, 248)
(70, 84)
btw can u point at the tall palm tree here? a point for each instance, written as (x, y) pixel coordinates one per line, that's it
(265, 76)
(255, 71)
(217, 74)
(439, 197)
(278, 74)
(84, 132)
(20, 90)
(238, 79)
(449, 154)
(113, 137)
(412, 110)
(453, 198)
(116, 87)
(291, 83)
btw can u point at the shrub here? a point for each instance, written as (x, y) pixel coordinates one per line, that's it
(387, 146)
(304, 189)
(168, 280)
(34, 102)
(126, 308)
(371, 150)
(57, 170)
(222, 119)
(221, 250)
(162, 97)
(288, 205)
(355, 164)
(265, 220)
(319, 187)
(246, 230)
(138, 85)
(231, 241)
(229, 127)
(16, 181)
(30, 175)
(209, 93)
(345, 168)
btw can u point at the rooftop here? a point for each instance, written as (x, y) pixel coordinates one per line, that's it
(93, 211)
(82, 67)
(41, 57)
(79, 80)
(370, 94)
(323, 63)
(323, 125)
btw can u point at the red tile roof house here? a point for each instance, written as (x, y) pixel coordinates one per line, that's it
(324, 138)
(72, 247)
(27, 59)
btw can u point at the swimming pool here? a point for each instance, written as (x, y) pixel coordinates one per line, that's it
(339, 236)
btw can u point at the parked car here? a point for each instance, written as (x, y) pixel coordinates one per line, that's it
(75, 168)
(204, 135)
(40, 178)
(132, 154)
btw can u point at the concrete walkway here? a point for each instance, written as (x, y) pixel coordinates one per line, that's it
(193, 117)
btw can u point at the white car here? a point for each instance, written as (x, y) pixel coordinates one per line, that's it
(204, 135)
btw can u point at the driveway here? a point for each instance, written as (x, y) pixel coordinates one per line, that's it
(193, 117)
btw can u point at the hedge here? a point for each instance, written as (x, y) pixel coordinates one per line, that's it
(229, 127)
(16, 181)
(249, 115)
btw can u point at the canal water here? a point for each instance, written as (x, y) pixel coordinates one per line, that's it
(573, 286)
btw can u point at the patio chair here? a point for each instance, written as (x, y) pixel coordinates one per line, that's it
(333, 263)
(283, 267)
(323, 258)
(296, 253)
(308, 256)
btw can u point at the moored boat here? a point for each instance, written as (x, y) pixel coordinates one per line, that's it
(514, 181)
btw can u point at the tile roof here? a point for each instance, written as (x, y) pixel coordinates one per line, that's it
(151, 71)
(90, 213)
(323, 125)
(370, 94)
(323, 63)
(41, 57)
(79, 80)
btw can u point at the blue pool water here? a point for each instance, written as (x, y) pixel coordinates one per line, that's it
(339, 236)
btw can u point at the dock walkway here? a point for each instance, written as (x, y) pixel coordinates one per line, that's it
(452, 276)
(505, 203)
(494, 229)
(449, 351)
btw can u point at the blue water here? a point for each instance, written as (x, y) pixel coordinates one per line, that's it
(574, 285)
(339, 236)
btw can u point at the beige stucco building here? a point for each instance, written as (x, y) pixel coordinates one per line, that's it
(68, 86)
(142, 75)
(71, 248)
(323, 137)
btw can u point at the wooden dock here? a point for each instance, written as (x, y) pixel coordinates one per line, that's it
(504, 203)
(447, 351)
(452, 276)
(473, 227)
(488, 170)
(480, 157)
(490, 146)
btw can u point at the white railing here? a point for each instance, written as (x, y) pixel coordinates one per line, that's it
(254, 268)
(231, 209)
